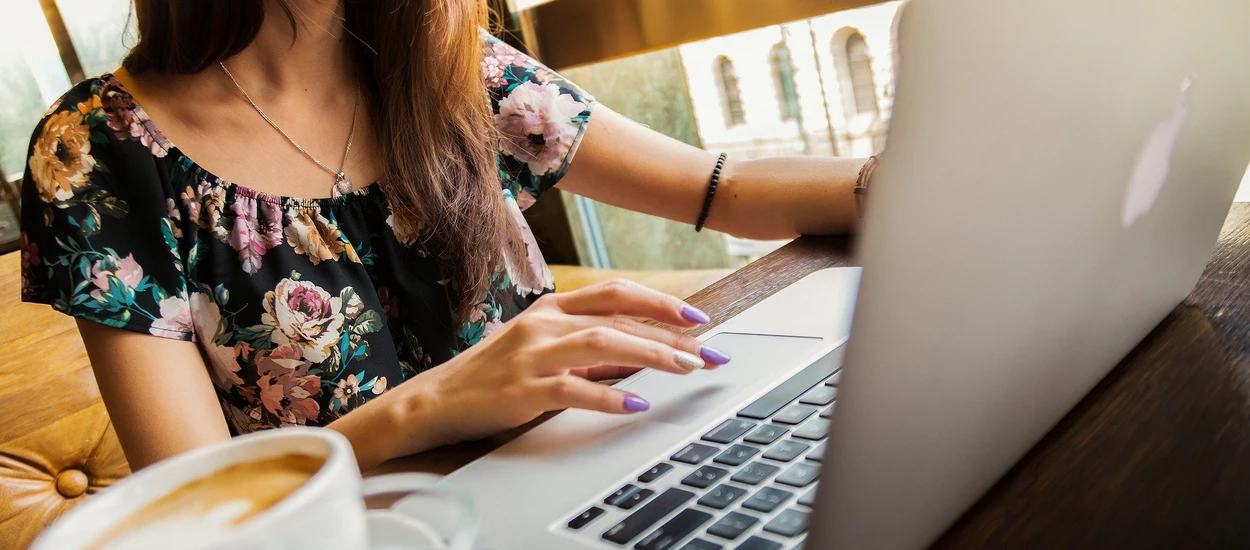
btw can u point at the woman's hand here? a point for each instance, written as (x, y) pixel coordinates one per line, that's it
(544, 360)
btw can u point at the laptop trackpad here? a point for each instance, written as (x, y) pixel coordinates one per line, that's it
(679, 400)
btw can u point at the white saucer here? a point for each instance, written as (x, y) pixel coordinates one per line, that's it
(390, 530)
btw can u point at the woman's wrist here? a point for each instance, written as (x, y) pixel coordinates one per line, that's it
(395, 424)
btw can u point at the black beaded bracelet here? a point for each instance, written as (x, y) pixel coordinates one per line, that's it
(711, 192)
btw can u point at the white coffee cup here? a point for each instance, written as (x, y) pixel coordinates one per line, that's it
(328, 511)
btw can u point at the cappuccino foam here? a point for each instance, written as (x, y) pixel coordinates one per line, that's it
(201, 512)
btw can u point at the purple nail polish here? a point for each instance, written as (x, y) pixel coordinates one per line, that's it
(694, 315)
(713, 355)
(633, 403)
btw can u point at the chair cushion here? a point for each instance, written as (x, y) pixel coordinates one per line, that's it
(56, 442)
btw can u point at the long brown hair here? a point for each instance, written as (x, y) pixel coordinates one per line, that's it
(419, 64)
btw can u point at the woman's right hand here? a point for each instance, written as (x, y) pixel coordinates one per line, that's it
(545, 359)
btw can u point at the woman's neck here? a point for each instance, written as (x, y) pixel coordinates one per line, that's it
(285, 57)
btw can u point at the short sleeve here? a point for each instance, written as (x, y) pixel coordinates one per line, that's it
(540, 118)
(98, 242)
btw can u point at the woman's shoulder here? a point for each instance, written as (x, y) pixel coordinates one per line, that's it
(102, 108)
(505, 68)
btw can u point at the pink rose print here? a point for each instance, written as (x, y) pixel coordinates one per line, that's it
(303, 315)
(119, 107)
(125, 272)
(257, 228)
(175, 317)
(537, 126)
(529, 274)
(223, 364)
(492, 72)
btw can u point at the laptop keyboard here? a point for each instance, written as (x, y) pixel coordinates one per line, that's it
(749, 483)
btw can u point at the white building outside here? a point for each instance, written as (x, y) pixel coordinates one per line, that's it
(824, 99)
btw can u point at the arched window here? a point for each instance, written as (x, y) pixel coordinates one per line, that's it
(730, 93)
(859, 68)
(783, 79)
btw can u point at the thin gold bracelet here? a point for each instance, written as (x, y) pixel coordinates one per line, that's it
(861, 183)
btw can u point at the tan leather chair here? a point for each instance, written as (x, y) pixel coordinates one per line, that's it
(56, 442)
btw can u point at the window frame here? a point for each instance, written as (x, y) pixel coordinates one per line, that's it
(783, 80)
(10, 189)
(860, 74)
(730, 91)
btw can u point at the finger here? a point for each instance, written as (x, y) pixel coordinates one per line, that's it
(571, 392)
(611, 372)
(689, 344)
(621, 297)
(603, 346)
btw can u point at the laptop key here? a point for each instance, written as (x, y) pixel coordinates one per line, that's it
(767, 499)
(787, 450)
(722, 496)
(818, 452)
(634, 499)
(809, 498)
(835, 379)
(828, 412)
(728, 431)
(735, 455)
(758, 543)
(800, 475)
(732, 525)
(705, 476)
(620, 494)
(794, 414)
(789, 523)
(645, 517)
(695, 453)
(700, 544)
(685, 522)
(786, 392)
(766, 434)
(655, 472)
(754, 473)
(588, 516)
(820, 395)
(815, 429)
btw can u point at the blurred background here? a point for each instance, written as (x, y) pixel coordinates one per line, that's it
(753, 78)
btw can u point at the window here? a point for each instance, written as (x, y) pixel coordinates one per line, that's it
(783, 79)
(730, 93)
(44, 44)
(101, 30)
(859, 67)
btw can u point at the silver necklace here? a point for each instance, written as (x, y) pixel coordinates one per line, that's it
(341, 185)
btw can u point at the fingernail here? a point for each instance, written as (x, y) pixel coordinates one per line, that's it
(689, 361)
(713, 355)
(694, 315)
(633, 403)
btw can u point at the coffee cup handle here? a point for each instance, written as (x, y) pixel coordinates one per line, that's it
(412, 483)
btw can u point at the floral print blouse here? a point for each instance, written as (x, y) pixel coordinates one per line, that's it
(303, 309)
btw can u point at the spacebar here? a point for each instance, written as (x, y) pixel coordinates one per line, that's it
(791, 389)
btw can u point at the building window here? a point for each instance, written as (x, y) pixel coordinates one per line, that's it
(730, 93)
(783, 79)
(859, 68)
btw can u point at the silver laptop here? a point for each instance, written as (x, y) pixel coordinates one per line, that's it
(1056, 177)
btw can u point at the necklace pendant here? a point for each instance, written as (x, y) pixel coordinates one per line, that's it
(342, 185)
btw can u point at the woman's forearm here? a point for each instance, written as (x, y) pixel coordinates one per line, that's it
(783, 197)
(387, 428)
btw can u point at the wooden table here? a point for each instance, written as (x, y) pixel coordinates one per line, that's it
(1157, 455)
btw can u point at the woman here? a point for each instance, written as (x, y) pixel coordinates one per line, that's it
(245, 278)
